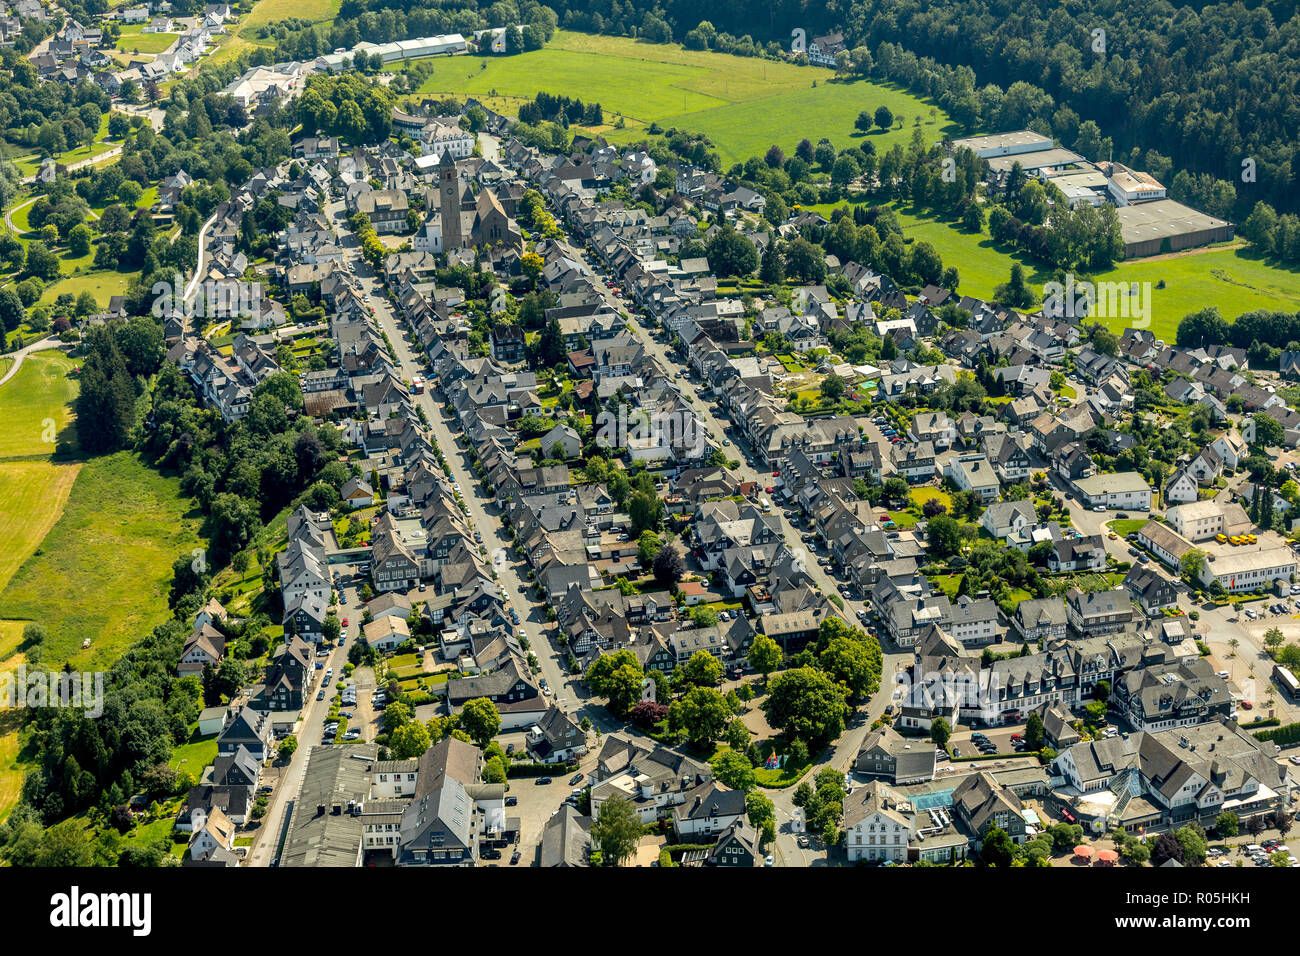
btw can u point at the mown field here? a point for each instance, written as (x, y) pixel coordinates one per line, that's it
(743, 104)
(1227, 277)
(134, 40)
(34, 493)
(42, 391)
(104, 569)
(271, 11)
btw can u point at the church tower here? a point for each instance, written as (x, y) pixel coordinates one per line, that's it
(449, 203)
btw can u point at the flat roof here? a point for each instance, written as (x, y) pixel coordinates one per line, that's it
(1037, 159)
(1020, 137)
(1085, 178)
(1162, 218)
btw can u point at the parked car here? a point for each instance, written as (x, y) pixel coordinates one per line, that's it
(543, 781)
(512, 801)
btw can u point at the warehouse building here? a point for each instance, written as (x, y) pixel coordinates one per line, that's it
(1152, 228)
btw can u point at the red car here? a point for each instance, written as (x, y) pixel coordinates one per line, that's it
(769, 490)
(1017, 737)
(1247, 705)
(345, 622)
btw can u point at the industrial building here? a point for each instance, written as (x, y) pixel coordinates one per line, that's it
(1151, 228)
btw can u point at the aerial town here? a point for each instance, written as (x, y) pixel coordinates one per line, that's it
(556, 496)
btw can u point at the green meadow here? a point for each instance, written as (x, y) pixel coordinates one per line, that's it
(1227, 276)
(104, 570)
(742, 104)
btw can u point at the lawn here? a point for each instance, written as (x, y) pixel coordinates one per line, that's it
(42, 392)
(271, 11)
(195, 755)
(742, 104)
(1126, 526)
(1227, 277)
(921, 495)
(28, 165)
(102, 285)
(137, 42)
(104, 569)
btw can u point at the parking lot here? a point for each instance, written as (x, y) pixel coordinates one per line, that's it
(999, 737)
(535, 803)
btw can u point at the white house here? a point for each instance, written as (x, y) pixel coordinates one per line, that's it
(1121, 490)
(973, 473)
(1181, 488)
(1005, 518)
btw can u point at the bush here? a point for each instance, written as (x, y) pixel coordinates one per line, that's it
(1282, 736)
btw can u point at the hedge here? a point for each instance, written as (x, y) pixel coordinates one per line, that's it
(1289, 734)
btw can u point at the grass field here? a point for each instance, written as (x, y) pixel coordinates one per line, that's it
(29, 164)
(34, 493)
(1229, 278)
(102, 285)
(137, 42)
(104, 569)
(41, 392)
(271, 11)
(1126, 526)
(743, 104)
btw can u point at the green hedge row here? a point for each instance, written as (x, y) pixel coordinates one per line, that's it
(1282, 736)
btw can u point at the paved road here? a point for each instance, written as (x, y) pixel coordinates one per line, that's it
(288, 779)
(192, 285)
(22, 353)
(484, 513)
(844, 752)
(9, 223)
